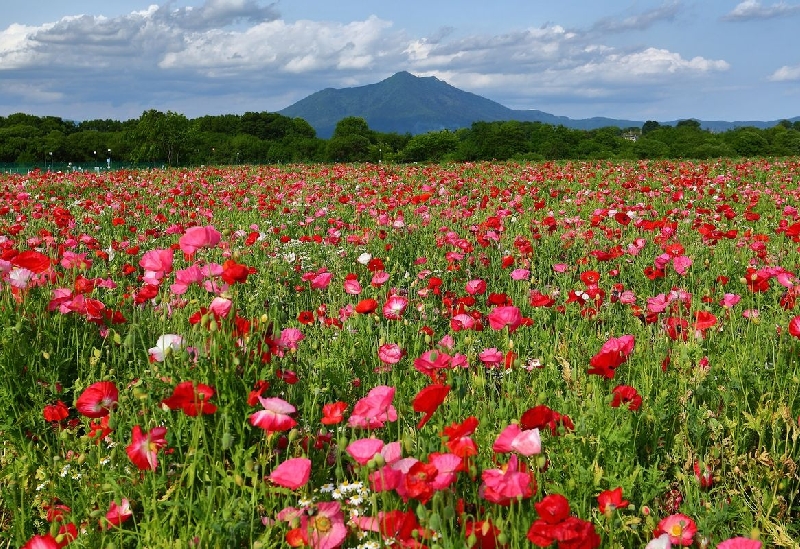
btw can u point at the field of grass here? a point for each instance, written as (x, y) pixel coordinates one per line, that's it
(486, 355)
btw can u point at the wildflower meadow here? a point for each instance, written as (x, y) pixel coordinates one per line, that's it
(490, 355)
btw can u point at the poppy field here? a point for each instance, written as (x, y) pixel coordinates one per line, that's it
(490, 355)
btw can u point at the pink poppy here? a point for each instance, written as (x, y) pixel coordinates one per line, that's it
(290, 337)
(220, 306)
(680, 529)
(143, 448)
(156, 263)
(520, 274)
(198, 237)
(740, 543)
(41, 542)
(117, 514)
(185, 278)
(275, 415)
(514, 439)
(352, 286)
(476, 287)
(379, 279)
(321, 281)
(491, 357)
(375, 409)
(507, 485)
(394, 307)
(325, 529)
(729, 300)
(97, 399)
(292, 473)
(681, 264)
(390, 353)
(506, 315)
(364, 449)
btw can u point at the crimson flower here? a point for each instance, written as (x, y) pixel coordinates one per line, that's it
(555, 525)
(97, 399)
(625, 394)
(144, 448)
(192, 399)
(56, 412)
(34, 261)
(428, 400)
(794, 326)
(486, 534)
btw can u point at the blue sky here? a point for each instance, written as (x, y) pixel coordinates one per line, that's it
(642, 60)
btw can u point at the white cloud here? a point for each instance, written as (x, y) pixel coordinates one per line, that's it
(752, 9)
(786, 73)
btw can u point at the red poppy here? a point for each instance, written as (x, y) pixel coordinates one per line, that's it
(333, 413)
(625, 394)
(609, 500)
(366, 306)
(56, 412)
(233, 272)
(192, 399)
(32, 260)
(97, 399)
(428, 400)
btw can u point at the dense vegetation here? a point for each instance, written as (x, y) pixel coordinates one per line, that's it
(158, 138)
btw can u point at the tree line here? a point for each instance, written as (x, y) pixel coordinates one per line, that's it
(159, 138)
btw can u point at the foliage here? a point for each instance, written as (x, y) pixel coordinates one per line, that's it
(456, 355)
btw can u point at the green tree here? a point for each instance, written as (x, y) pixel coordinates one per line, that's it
(161, 137)
(351, 141)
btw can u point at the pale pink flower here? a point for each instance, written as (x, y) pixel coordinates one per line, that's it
(560, 267)
(514, 439)
(166, 343)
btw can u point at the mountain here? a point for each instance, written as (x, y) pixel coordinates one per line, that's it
(404, 103)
